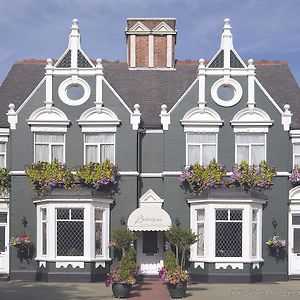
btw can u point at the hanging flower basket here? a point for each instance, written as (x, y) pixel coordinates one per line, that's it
(276, 245)
(197, 178)
(24, 245)
(252, 177)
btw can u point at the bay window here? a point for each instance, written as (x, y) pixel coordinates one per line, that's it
(296, 154)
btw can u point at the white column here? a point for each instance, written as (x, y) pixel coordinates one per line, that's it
(74, 43)
(151, 50)
(251, 85)
(226, 43)
(132, 50)
(169, 51)
(99, 82)
(201, 85)
(49, 72)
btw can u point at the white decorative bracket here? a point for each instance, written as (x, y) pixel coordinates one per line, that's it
(201, 86)
(286, 118)
(99, 84)
(199, 264)
(49, 72)
(12, 116)
(99, 263)
(164, 117)
(135, 117)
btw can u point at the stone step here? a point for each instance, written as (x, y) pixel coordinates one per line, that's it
(4, 277)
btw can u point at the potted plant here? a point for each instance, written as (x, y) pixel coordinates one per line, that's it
(123, 276)
(197, 178)
(252, 177)
(174, 273)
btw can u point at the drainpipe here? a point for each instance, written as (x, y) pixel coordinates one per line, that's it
(140, 133)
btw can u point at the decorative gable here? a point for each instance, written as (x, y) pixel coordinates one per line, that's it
(163, 28)
(139, 27)
(150, 198)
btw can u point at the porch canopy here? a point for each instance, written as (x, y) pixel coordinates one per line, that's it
(149, 218)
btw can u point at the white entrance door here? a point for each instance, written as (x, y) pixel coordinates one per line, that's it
(4, 243)
(150, 252)
(294, 244)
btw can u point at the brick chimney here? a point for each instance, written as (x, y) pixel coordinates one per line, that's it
(151, 42)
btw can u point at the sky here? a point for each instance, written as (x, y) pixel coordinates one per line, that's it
(39, 29)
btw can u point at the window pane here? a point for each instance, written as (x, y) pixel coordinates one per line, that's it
(77, 213)
(3, 217)
(57, 153)
(44, 238)
(228, 239)
(297, 160)
(296, 220)
(2, 147)
(254, 239)
(296, 244)
(107, 152)
(296, 148)
(254, 215)
(70, 238)
(41, 153)
(201, 138)
(208, 154)
(98, 214)
(221, 214)
(98, 238)
(150, 242)
(200, 214)
(102, 138)
(250, 138)
(44, 214)
(258, 154)
(200, 243)
(236, 214)
(2, 238)
(242, 153)
(49, 138)
(63, 214)
(2, 161)
(91, 154)
(193, 154)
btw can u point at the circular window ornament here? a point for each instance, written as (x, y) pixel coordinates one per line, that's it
(226, 93)
(74, 92)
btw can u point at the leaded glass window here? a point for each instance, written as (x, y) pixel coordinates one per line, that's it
(44, 230)
(254, 232)
(70, 232)
(229, 232)
(201, 147)
(99, 147)
(49, 146)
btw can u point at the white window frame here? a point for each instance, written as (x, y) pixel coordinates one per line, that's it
(42, 231)
(98, 146)
(99, 222)
(210, 207)
(50, 144)
(295, 154)
(201, 146)
(250, 146)
(257, 232)
(4, 154)
(89, 207)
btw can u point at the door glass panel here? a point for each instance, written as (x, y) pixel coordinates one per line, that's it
(2, 238)
(3, 217)
(296, 245)
(149, 242)
(296, 220)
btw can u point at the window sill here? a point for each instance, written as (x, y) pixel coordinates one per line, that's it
(225, 260)
(72, 259)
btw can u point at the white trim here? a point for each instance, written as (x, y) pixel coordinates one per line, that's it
(129, 173)
(65, 264)
(151, 175)
(171, 173)
(4, 153)
(238, 92)
(163, 28)
(132, 51)
(169, 50)
(74, 80)
(159, 131)
(138, 27)
(233, 265)
(151, 50)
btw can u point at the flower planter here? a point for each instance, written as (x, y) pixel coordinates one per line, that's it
(121, 290)
(177, 290)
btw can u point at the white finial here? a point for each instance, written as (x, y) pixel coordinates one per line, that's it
(164, 109)
(136, 108)
(286, 108)
(75, 22)
(164, 117)
(99, 61)
(227, 23)
(250, 62)
(201, 61)
(11, 107)
(49, 62)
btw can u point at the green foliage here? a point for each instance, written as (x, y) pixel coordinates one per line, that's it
(199, 178)
(181, 239)
(170, 260)
(44, 176)
(252, 177)
(4, 180)
(128, 265)
(97, 175)
(122, 239)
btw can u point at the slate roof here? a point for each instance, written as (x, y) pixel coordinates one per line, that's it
(150, 88)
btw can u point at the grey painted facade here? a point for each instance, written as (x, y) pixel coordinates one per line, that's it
(144, 154)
